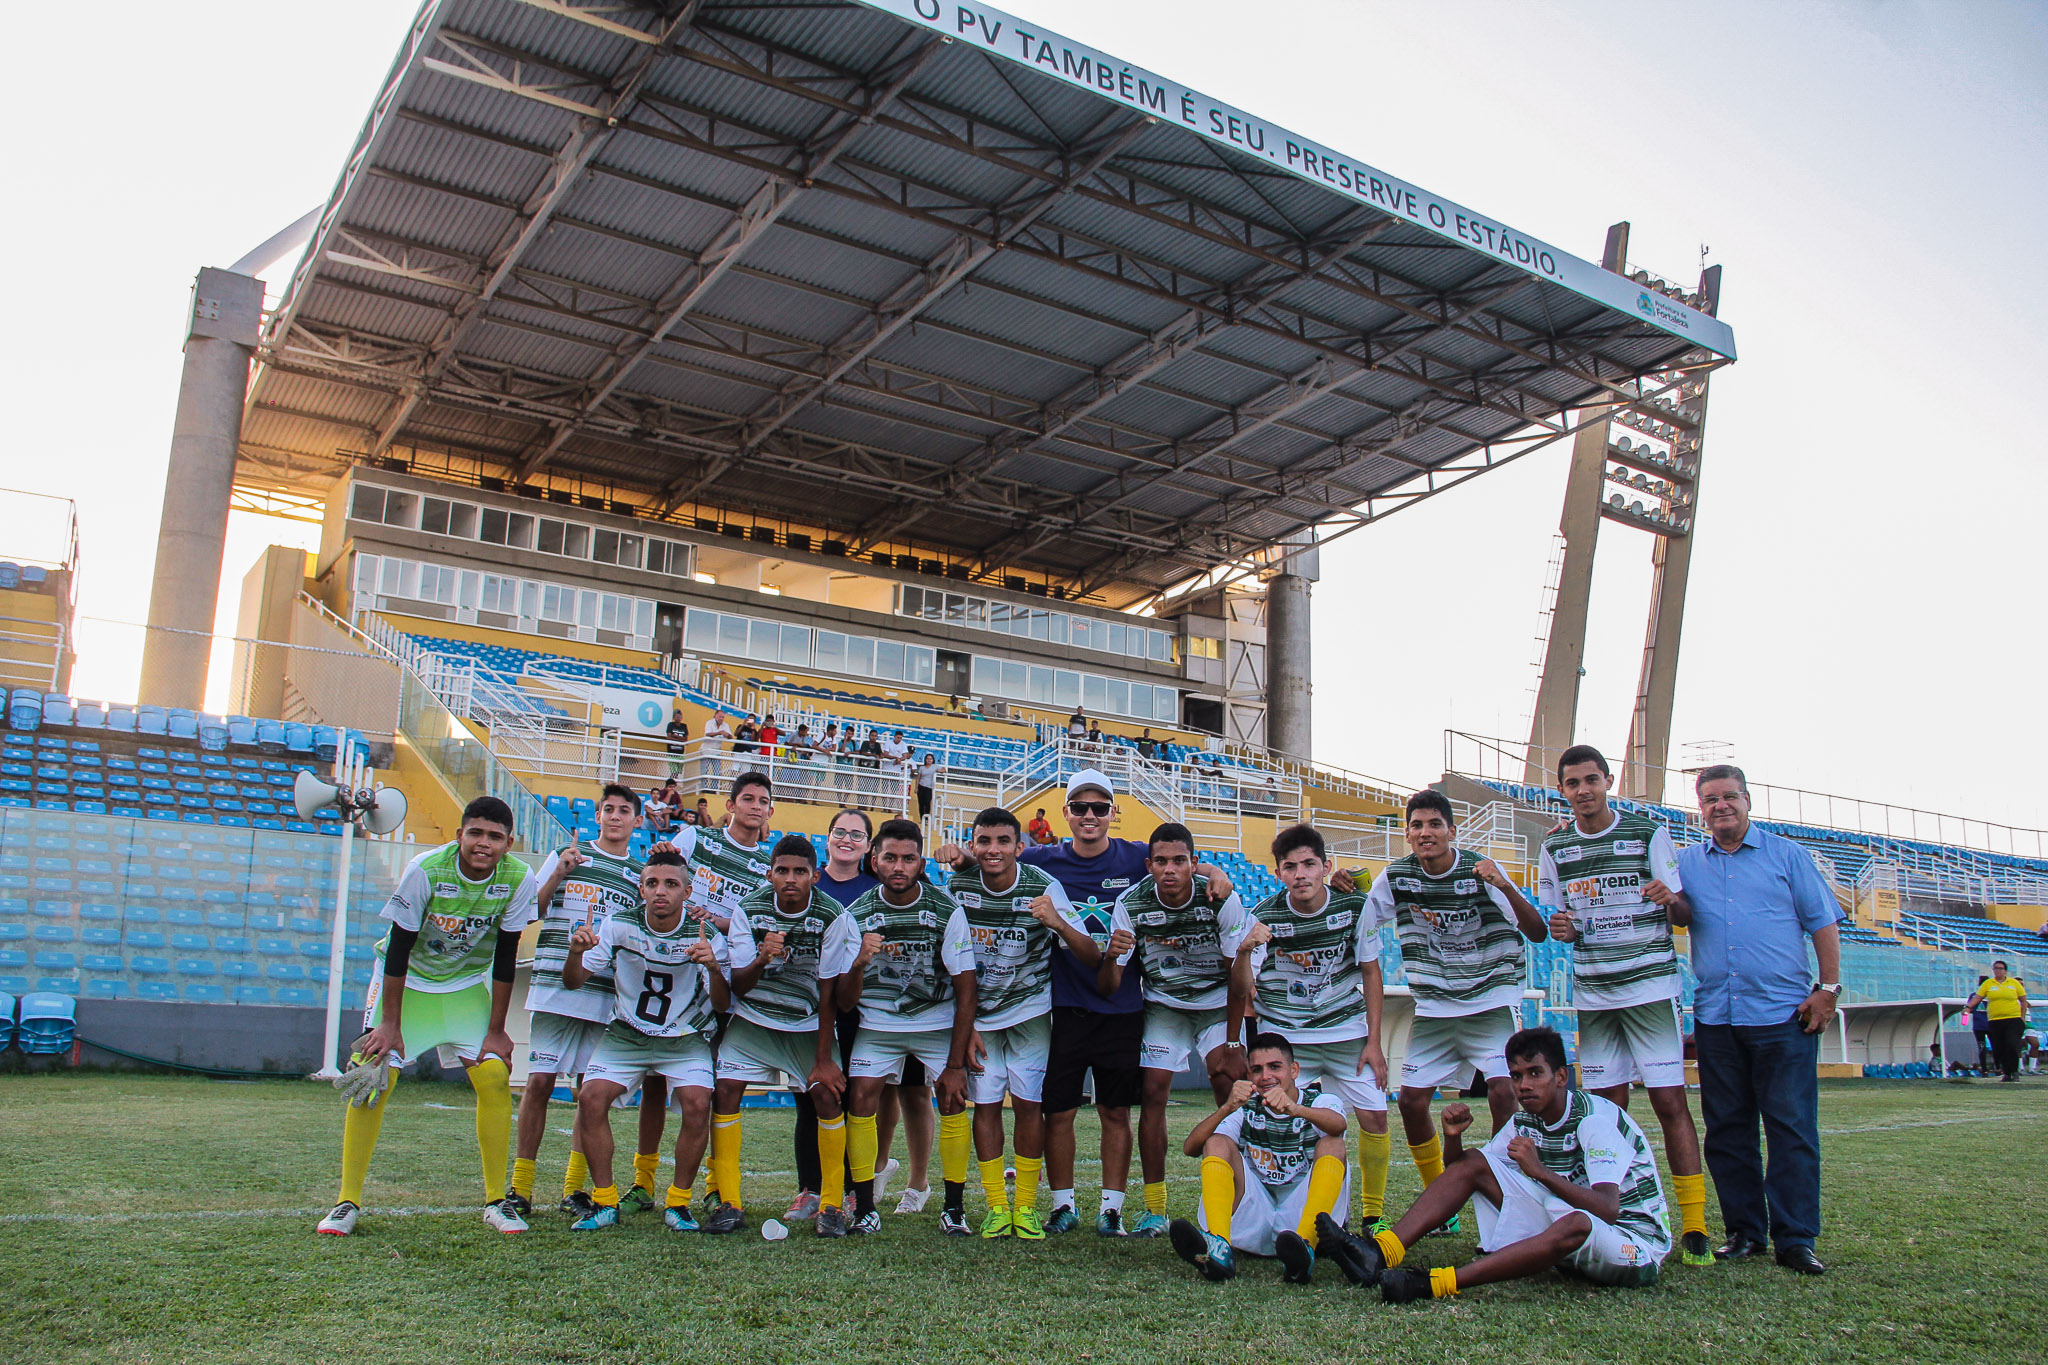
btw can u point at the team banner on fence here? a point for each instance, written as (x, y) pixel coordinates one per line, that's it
(1029, 45)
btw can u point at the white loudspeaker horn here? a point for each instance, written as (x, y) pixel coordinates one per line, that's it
(385, 811)
(310, 793)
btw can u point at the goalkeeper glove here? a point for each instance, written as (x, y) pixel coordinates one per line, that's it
(364, 1083)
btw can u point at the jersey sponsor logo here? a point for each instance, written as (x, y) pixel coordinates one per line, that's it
(873, 923)
(1150, 917)
(1022, 903)
(814, 925)
(757, 867)
(1630, 847)
(970, 899)
(1466, 886)
(1570, 853)
(446, 890)
(1282, 930)
(927, 919)
(1341, 920)
(1407, 884)
(1108, 882)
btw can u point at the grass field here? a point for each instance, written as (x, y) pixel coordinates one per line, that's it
(161, 1219)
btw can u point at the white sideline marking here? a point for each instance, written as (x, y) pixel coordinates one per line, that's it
(1935, 1123)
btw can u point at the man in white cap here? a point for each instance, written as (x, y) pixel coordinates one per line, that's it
(1092, 1031)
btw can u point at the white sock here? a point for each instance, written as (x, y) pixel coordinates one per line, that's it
(1063, 1199)
(1113, 1201)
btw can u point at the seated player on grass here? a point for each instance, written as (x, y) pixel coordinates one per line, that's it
(1272, 1170)
(1570, 1183)
(661, 972)
(777, 1029)
(446, 976)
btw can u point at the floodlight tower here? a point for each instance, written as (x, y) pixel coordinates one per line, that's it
(1636, 463)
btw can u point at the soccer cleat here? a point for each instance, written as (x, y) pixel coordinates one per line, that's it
(1151, 1225)
(503, 1216)
(1110, 1223)
(953, 1222)
(1204, 1251)
(884, 1174)
(1000, 1222)
(1297, 1257)
(724, 1218)
(867, 1225)
(601, 1216)
(913, 1200)
(802, 1209)
(639, 1199)
(341, 1222)
(1063, 1219)
(1694, 1249)
(678, 1218)
(832, 1222)
(1359, 1258)
(1374, 1226)
(1028, 1226)
(1450, 1227)
(1404, 1286)
(522, 1204)
(579, 1203)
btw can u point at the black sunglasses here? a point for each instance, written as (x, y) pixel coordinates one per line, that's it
(1097, 808)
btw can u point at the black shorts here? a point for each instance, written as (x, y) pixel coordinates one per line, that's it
(848, 1025)
(1108, 1044)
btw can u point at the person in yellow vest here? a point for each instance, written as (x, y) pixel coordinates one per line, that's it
(2005, 1004)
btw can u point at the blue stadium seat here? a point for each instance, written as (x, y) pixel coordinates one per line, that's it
(106, 990)
(149, 966)
(156, 990)
(6, 1020)
(49, 1023)
(252, 995)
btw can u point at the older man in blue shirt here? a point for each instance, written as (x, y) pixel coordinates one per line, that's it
(1755, 899)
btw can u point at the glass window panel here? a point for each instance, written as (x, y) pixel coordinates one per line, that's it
(491, 527)
(605, 548)
(700, 630)
(987, 675)
(889, 660)
(519, 531)
(529, 599)
(1119, 703)
(401, 509)
(1041, 685)
(1039, 624)
(831, 650)
(657, 556)
(1056, 627)
(923, 665)
(408, 578)
(1082, 631)
(956, 609)
(1134, 641)
(366, 503)
(1016, 680)
(732, 635)
(1066, 687)
(550, 540)
(1095, 692)
(643, 617)
(999, 616)
(764, 641)
(434, 516)
(1116, 637)
(912, 599)
(1161, 646)
(462, 520)
(934, 605)
(860, 655)
(586, 609)
(977, 612)
(387, 582)
(366, 573)
(629, 551)
(576, 541)
(796, 646)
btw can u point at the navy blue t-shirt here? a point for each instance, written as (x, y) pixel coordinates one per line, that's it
(1092, 884)
(848, 891)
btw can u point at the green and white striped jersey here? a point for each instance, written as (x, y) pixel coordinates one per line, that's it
(458, 921)
(908, 986)
(656, 988)
(1624, 955)
(1597, 1143)
(1184, 951)
(786, 996)
(605, 885)
(1279, 1151)
(722, 873)
(1459, 942)
(1012, 950)
(1309, 981)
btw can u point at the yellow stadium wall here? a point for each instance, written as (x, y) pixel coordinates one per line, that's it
(2019, 916)
(432, 812)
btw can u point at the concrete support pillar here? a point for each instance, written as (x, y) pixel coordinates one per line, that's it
(222, 334)
(1288, 692)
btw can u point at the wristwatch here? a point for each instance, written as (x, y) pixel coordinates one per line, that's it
(1234, 1042)
(1833, 988)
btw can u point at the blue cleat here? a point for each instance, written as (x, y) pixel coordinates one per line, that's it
(600, 1217)
(679, 1219)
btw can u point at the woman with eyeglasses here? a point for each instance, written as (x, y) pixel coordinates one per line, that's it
(844, 876)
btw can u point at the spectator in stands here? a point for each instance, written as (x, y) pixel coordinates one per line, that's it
(1148, 747)
(703, 813)
(2004, 997)
(845, 759)
(678, 732)
(771, 742)
(927, 784)
(1077, 724)
(1040, 829)
(871, 759)
(896, 765)
(1095, 734)
(717, 738)
(672, 797)
(746, 737)
(1980, 1026)
(654, 813)
(1755, 899)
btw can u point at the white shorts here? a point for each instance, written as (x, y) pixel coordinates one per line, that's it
(1173, 1034)
(1447, 1051)
(1634, 1043)
(1263, 1213)
(767, 1056)
(876, 1053)
(1016, 1062)
(1336, 1066)
(558, 1045)
(625, 1056)
(1608, 1255)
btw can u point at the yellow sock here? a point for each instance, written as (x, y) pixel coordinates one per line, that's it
(725, 1156)
(862, 1142)
(1155, 1197)
(359, 1129)
(1027, 1181)
(1219, 1195)
(956, 1144)
(1691, 1193)
(492, 1081)
(578, 1174)
(1325, 1183)
(832, 1161)
(1373, 1152)
(1390, 1247)
(1429, 1159)
(992, 1186)
(645, 1164)
(522, 1177)
(606, 1196)
(678, 1197)
(1443, 1281)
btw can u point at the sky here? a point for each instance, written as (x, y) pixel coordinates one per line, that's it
(1865, 606)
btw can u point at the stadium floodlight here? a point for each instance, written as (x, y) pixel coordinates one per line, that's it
(378, 810)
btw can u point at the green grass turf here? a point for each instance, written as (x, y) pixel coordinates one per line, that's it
(112, 1248)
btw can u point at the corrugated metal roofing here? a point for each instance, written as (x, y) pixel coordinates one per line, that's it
(825, 266)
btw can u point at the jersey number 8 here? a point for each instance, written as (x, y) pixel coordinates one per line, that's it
(653, 1003)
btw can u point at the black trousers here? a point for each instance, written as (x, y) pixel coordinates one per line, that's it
(2005, 1044)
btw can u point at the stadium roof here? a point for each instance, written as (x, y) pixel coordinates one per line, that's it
(945, 282)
